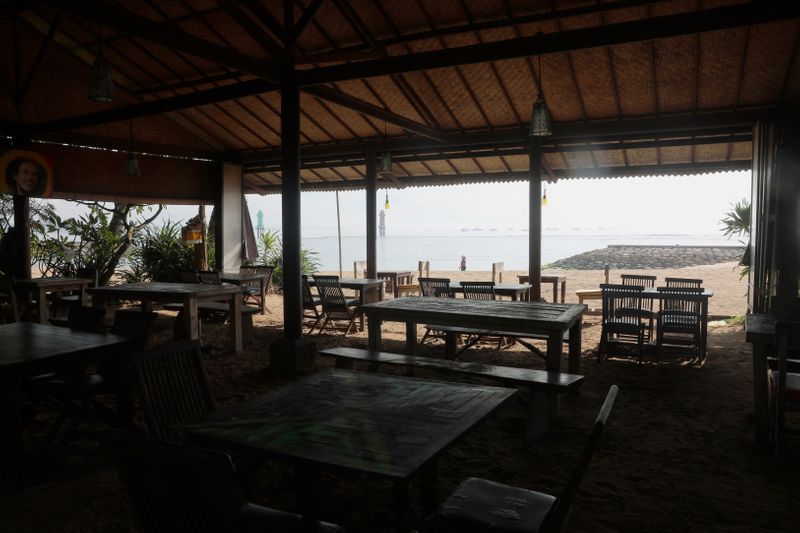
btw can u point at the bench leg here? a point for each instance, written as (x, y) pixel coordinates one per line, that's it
(538, 420)
(450, 345)
(411, 338)
(554, 347)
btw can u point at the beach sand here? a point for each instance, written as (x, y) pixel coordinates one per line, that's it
(677, 454)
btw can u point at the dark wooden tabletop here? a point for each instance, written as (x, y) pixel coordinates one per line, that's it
(544, 279)
(155, 289)
(356, 283)
(51, 282)
(498, 287)
(26, 346)
(760, 329)
(523, 317)
(365, 422)
(398, 273)
(241, 277)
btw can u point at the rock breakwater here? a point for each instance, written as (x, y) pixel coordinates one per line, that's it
(646, 257)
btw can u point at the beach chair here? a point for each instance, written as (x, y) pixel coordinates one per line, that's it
(479, 505)
(621, 331)
(334, 304)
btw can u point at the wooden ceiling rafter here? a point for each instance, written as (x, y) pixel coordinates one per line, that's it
(302, 23)
(254, 30)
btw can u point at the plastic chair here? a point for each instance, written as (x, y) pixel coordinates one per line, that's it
(479, 505)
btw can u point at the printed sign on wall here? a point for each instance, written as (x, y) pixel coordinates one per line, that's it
(26, 173)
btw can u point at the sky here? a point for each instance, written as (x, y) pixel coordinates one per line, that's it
(680, 205)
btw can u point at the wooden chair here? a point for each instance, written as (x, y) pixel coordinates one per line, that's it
(434, 288)
(497, 272)
(176, 488)
(479, 290)
(680, 320)
(252, 290)
(424, 271)
(479, 505)
(683, 283)
(621, 330)
(334, 305)
(311, 305)
(784, 384)
(208, 277)
(87, 319)
(646, 311)
(359, 267)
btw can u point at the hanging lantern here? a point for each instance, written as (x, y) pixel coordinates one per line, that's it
(541, 124)
(101, 86)
(132, 165)
(385, 163)
(386, 204)
(545, 202)
(192, 233)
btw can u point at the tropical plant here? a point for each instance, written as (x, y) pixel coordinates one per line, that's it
(736, 223)
(159, 255)
(272, 254)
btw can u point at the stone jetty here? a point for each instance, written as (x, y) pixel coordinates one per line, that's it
(645, 257)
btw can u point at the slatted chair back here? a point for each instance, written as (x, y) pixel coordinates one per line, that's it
(686, 283)
(358, 268)
(173, 387)
(9, 310)
(558, 516)
(618, 300)
(189, 277)
(87, 319)
(208, 277)
(497, 272)
(267, 270)
(478, 290)
(136, 325)
(681, 302)
(308, 296)
(424, 269)
(639, 280)
(435, 287)
(174, 487)
(330, 293)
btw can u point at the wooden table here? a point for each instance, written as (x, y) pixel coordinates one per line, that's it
(28, 349)
(555, 281)
(386, 426)
(552, 320)
(395, 278)
(240, 278)
(760, 332)
(187, 293)
(41, 286)
(369, 290)
(517, 291)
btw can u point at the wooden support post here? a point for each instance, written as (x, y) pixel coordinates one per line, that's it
(290, 171)
(22, 229)
(535, 218)
(372, 212)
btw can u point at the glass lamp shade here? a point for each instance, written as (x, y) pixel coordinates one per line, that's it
(545, 201)
(386, 204)
(101, 86)
(540, 119)
(132, 165)
(385, 163)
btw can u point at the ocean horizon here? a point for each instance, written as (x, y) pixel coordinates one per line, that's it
(482, 248)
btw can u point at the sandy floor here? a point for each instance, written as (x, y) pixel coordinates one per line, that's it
(677, 454)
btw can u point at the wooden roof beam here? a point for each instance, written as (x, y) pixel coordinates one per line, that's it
(252, 29)
(135, 25)
(365, 108)
(688, 23)
(305, 18)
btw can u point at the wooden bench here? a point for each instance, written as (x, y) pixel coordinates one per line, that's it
(451, 332)
(538, 382)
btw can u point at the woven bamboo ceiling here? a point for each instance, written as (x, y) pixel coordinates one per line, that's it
(634, 87)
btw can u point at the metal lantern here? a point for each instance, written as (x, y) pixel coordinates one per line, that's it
(192, 233)
(132, 165)
(385, 163)
(101, 85)
(541, 125)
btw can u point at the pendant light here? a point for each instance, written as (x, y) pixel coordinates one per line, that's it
(101, 84)
(541, 124)
(386, 204)
(545, 202)
(132, 162)
(385, 162)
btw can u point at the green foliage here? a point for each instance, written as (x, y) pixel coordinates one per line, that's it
(272, 254)
(159, 255)
(736, 223)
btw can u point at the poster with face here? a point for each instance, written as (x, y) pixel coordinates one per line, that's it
(26, 173)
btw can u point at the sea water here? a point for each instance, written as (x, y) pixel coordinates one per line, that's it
(482, 248)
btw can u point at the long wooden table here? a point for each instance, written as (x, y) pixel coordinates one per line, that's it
(760, 332)
(28, 349)
(517, 291)
(187, 293)
(553, 320)
(41, 286)
(387, 426)
(241, 278)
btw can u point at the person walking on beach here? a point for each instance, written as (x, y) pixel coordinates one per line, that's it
(463, 266)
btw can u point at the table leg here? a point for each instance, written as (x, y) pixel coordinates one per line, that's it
(395, 280)
(402, 504)
(554, 342)
(411, 338)
(555, 291)
(374, 334)
(191, 320)
(235, 320)
(513, 296)
(538, 417)
(147, 306)
(43, 306)
(563, 290)
(84, 297)
(760, 394)
(450, 344)
(362, 299)
(704, 327)
(430, 488)
(262, 286)
(308, 493)
(574, 363)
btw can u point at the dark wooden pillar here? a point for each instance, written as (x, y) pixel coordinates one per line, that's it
(216, 217)
(535, 218)
(290, 189)
(22, 229)
(372, 212)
